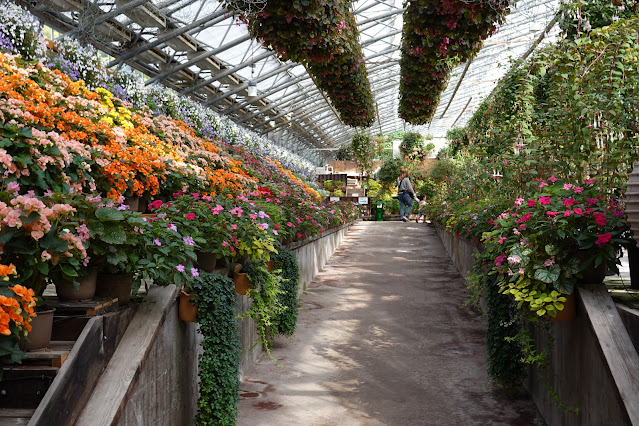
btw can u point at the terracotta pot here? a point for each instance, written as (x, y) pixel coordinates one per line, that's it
(632, 201)
(40, 335)
(115, 285)
(569, 312)
(136, 204)
(241, 280)
(270, 265)
(65, 290)
(206, 261)
(187, 311)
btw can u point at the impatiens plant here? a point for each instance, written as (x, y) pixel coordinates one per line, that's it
(548, 238)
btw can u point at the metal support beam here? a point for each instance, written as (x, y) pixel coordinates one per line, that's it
(208, 20)
(198, 58)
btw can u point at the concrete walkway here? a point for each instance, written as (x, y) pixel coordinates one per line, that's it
(383, 338)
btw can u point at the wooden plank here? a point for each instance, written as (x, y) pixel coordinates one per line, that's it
(71, 388)
(15, 416)
(54, 355)
(615, 344)
(109, 397)
(98, 305)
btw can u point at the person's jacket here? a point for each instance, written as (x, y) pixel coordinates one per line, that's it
(405, 186)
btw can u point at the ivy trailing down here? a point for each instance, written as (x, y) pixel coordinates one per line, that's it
(502, 328)
(220, 362)
(286, 261)
(438, 35)
(265, 293)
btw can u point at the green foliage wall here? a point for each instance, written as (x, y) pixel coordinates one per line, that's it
(220, 362)
(572, 111)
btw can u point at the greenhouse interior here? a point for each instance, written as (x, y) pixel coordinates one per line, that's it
(278, 197)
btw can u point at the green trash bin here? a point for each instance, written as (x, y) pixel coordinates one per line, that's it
(380, 212)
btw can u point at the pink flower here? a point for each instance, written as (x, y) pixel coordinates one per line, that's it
(592, 201)
(225, 243)
(578, 210)
(531, 203)
(578, 189)
(602, 239)
(157, 242)
(552, 213)
(195, 272)
(180, 268)
(190, 216)
(500, 259)
(569, 202)
(155, 204)
(590, 181)
(217, 209)
(544, 200)
(567, 186)
(501, 240)
(290, 224)
(567, 213)
(195, 195)
(552, 178)
(233, 227)
(519, 201)
(253, 216)
(542, 184)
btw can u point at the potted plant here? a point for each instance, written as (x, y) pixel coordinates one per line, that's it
(547, 241)
(17, 311)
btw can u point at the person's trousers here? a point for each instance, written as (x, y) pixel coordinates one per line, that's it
(405, 204)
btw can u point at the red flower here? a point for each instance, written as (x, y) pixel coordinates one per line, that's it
(190, 216)
(600, 219)
(602, 239)
(155, 204)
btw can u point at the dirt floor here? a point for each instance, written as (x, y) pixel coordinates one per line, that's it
(383, 338)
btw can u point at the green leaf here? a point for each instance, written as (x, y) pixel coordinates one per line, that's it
(43, 267)
(548, 276)
(113, 234)
(107, 213)
(68, 270)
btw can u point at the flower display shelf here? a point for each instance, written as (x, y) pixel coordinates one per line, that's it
(96, 306)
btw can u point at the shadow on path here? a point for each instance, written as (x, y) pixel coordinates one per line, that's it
(383, 338)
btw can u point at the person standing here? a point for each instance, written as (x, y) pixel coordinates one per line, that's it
(405, 193)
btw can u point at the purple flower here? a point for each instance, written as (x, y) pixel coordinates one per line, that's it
(123, 207)
(195, 272)
(180, 268)
(157, 242)
(189, 241)
(172, 227)
(263, 225)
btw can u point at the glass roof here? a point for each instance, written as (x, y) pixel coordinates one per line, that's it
(199, 49)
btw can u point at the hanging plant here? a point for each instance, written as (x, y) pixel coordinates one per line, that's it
(324, 37)
(363, 149)
(437, 36)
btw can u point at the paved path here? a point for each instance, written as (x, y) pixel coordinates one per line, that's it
(383, 338)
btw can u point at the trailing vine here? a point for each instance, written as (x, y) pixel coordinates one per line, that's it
(219, 363)
(502, 325)
(286, 261)
(266, 306)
